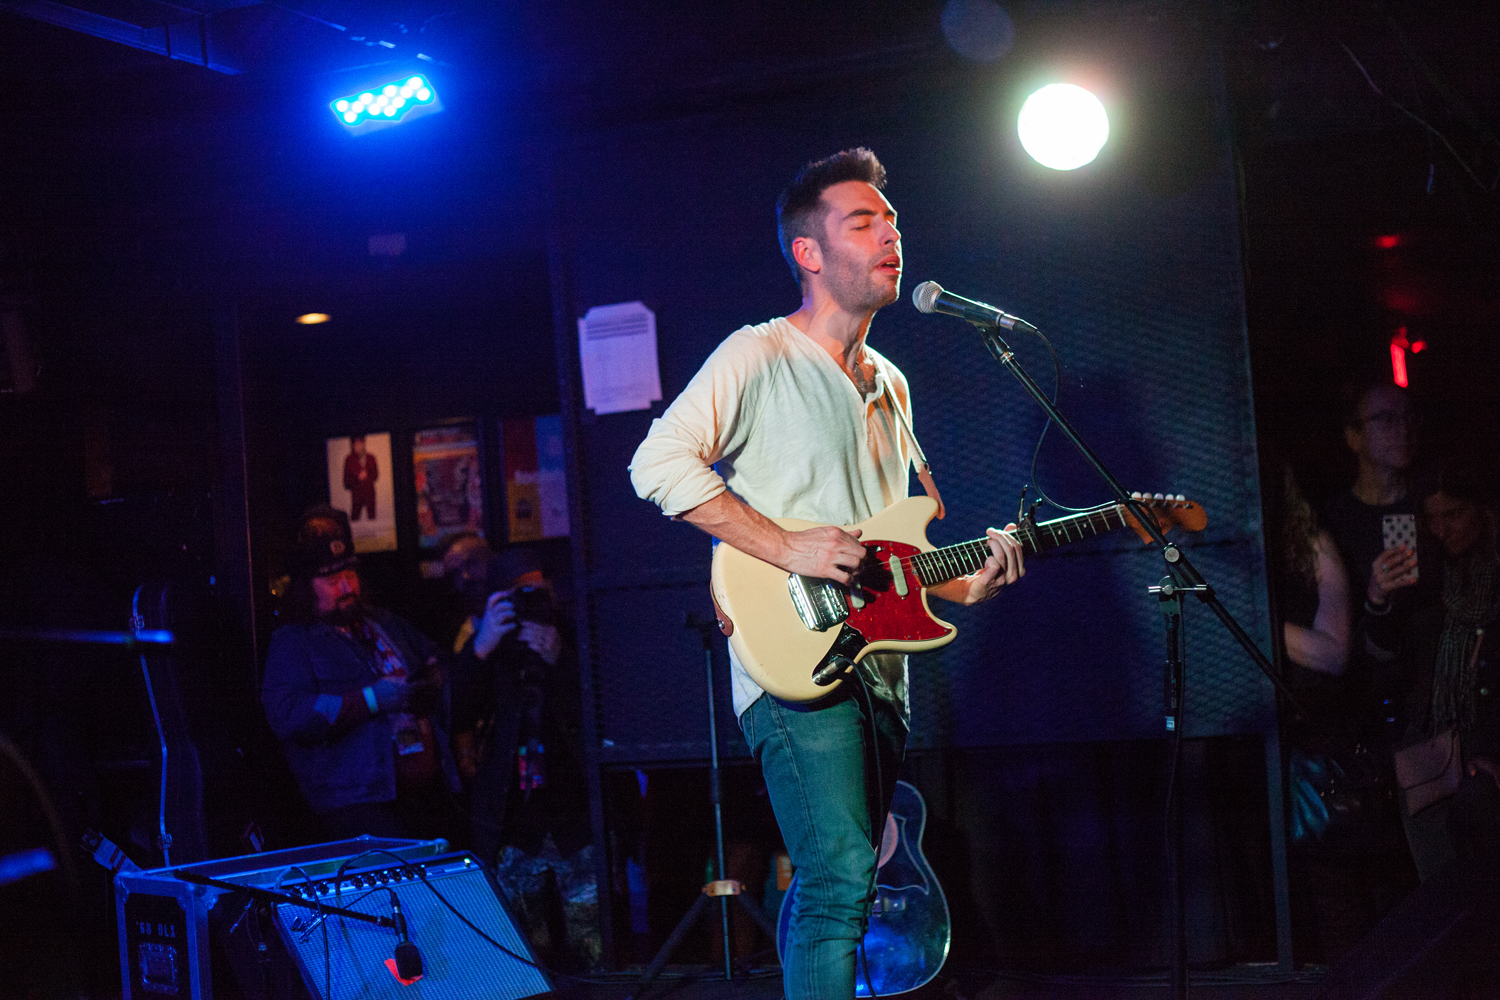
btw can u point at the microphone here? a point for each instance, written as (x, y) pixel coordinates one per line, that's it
(408, 959)
(929, 297)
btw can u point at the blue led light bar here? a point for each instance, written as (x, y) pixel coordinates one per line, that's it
(390, 104)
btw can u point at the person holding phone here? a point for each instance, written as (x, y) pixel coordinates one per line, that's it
(1373, 522)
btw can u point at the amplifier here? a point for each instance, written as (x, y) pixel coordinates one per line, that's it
(437, 897)
(164, 922)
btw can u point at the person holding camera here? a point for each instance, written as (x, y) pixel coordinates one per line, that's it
(357, 697)
(517, 726)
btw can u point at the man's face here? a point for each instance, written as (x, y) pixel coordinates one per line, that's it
(358, 446)
(338, 593)
(1382, 435)
(1457, 524)
(860, 248)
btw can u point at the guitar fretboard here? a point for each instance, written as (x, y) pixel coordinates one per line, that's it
(968, 557)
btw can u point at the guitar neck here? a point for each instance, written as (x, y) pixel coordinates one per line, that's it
(968, 557)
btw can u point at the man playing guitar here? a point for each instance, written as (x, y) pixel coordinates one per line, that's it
(804, 420)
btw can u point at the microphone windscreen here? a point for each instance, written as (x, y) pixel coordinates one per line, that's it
(408, 960)
(925, 295)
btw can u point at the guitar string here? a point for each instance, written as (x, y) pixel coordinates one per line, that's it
(967, 557)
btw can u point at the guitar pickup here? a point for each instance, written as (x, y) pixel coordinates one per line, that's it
(819, 603)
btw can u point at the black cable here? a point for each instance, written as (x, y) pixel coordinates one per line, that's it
(469, 923)
(49, 810)
(1047, 424)
(323, 920)
(877, 826)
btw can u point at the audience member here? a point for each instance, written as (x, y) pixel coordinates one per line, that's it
(1312, 587)
(1449, 706)
(356, 696)
(1335, 780)
(518, 722)
(1380, 428)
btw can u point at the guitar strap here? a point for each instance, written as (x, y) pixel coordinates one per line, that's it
(919, 457)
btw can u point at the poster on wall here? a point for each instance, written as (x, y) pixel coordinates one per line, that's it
(449, 482)
(536, 490)
(359, 483)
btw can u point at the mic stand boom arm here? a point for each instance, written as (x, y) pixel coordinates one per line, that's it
(273, 896)
(1182, 570)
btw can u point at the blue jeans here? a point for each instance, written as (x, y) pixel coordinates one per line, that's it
(821, 773)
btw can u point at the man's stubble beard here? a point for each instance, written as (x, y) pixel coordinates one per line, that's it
(851, 283)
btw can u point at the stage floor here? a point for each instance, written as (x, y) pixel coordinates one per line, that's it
(1255, 982)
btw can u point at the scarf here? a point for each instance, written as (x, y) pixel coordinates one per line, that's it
(1471, 598)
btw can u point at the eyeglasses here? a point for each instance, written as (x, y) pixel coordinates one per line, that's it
(1389, 420)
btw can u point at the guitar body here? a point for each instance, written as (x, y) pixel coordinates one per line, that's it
(776, 647)
(798, 636)
(909, 933)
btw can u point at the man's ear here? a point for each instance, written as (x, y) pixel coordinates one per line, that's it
(1351, 438)
(807, 254)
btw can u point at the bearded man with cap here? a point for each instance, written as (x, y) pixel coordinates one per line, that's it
(356, 696)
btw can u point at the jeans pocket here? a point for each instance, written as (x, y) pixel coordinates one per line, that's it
(747, 726)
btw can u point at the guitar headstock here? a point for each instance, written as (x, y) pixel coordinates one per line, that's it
(1170, 512)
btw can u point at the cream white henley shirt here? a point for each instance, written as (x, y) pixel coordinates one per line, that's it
(772, 417)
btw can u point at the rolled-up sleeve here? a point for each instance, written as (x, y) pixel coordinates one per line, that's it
(673, 467)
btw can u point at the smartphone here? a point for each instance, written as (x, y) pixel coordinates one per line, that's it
(1398, 530)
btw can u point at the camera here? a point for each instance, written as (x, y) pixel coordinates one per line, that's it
(532, 604)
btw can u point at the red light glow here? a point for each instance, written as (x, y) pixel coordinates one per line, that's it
(1388, 242)
(1419, 346)
(1398, 364)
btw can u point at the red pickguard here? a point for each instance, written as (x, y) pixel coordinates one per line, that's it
(886, 614)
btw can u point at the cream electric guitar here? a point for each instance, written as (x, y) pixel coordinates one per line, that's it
(798, 635)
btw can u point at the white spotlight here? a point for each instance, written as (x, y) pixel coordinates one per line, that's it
(1063, 126)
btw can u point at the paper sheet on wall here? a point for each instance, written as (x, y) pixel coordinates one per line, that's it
(617, 352)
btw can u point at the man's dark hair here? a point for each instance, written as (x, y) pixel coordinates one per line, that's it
(800, 210)
(1462, 477)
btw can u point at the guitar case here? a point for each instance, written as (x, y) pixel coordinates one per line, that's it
(177, 827)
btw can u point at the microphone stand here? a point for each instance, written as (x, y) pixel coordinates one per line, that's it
(1182, 576)
(276, 896)
(721, 887)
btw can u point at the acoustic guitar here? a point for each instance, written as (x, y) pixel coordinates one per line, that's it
(907, 940)
(797, 636)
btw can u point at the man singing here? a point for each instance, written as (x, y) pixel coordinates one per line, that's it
(804, 420)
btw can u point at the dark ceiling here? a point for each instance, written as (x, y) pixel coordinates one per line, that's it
(130, 171)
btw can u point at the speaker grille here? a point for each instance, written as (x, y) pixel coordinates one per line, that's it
(457, 963)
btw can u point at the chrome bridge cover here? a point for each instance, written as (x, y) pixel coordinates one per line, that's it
(819, 603)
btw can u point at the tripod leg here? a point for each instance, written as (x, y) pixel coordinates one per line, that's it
(758, 915)
(678, 933)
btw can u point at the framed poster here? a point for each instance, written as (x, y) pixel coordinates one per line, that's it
(359, 483)
(536, 489)
(449, 478)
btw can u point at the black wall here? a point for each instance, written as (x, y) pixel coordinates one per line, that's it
(1130, 264)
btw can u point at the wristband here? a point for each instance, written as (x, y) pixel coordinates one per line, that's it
(370, 700)
(1383, 608)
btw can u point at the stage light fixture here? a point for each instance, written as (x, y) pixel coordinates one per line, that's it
(1063, 126)
(393, 103)
(313, 319)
